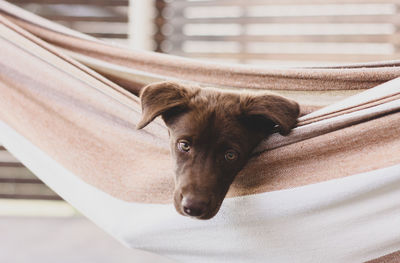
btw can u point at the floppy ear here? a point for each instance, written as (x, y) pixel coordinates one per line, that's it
(161, 97)
(269, 107)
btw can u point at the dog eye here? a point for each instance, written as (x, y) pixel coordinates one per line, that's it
(231, 155)
(183, 146)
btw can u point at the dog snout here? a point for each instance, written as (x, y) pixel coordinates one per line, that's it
(194, 207)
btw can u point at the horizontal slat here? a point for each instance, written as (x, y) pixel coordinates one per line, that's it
(345, 19)
(27, 196)
(395, 38)
(98, 27)
(107, 35)
(287, 48)
(287, 29)
(25, 189)
(16, 173)
(20, 181)
(35, 208)
(118, 41)
(10, 164)
(184, 3)
(121, 19)
(98, 18)
(76, 10)
(293, 57)
(77, 2)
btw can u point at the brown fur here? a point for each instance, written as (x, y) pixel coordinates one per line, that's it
(213, 123)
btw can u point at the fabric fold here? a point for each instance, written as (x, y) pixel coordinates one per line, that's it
(351, 77)
(94, 119)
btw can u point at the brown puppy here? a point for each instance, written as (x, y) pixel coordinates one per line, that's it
(212, 134)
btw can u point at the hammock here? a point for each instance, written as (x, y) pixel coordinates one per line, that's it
(328, 192)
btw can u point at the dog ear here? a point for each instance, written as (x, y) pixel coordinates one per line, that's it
(269, 109)
(161, 97)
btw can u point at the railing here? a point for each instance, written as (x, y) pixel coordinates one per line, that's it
(284, 31)
(107, 19)
(17, 182)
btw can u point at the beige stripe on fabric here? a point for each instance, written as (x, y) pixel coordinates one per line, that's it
(359, 148)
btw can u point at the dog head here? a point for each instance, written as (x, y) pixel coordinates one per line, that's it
(212, 134)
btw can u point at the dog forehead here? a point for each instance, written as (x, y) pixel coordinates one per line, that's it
(211, 121)
(221, 103)
(211, 107)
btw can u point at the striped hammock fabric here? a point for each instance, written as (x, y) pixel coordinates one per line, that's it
(328, 192)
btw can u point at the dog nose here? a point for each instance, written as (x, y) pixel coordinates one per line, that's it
(192, 207)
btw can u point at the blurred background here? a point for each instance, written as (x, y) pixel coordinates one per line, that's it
(284, 32)
(37, 226)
